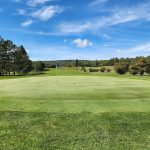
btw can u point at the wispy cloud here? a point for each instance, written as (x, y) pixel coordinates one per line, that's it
(141, 48)
(106, 36)
(118, 16)
(97, 2)
(73, 27)
(82, 43)
(27, 23)
(47, 12)
(137, 50)
(33, 3)
(43, 12)
(21, 12)
(18, 1)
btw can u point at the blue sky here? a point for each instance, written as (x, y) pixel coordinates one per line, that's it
(77, 29)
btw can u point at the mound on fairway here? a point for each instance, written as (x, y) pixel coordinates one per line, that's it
(74, 112)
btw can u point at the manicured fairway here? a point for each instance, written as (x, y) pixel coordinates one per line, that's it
(75, 113)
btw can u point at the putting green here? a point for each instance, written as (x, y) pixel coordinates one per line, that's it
(71, 94)
(75, 113)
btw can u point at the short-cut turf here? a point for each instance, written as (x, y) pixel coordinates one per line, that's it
(75, 113)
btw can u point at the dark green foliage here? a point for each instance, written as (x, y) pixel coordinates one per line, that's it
(13, 59)
(108, 70)
(121, 68)
(83, 69)
(38, 66)
(133, 69)
(93, 70)
(74, 63)
(140, 67)
(103, 69)
(77, 63)
(147, 68)
(94, 63)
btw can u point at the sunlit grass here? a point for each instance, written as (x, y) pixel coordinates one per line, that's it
(75, 112)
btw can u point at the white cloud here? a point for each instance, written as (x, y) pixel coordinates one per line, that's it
(106, 45)
(106, 36)
(27, 23)
(140, 48)
(47, 13)
(33, 3)
(73, 27)
(36, 2)
(97, 2)
(82, 43)
(118, 16)
(18, 1)
(21, 12)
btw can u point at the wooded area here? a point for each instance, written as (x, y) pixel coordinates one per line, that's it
(14, 60)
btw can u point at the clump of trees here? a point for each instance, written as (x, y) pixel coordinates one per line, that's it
(38, 67)
(13, 59)
(103, 69)
(139, 66)
(108, 70)
(83, 69)
(121, 68)
(93, 70)
(91, 63)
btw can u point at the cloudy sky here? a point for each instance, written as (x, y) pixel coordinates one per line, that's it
(77, 29)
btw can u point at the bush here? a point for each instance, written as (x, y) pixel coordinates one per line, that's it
(83, 69)
(140, 67)
(133, 69)
(93, 70)
(141, 71)
(147, 68)
(108, 70)
(102, 69)
(121, 68)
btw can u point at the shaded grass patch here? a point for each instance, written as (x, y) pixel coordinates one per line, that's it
(79, 131)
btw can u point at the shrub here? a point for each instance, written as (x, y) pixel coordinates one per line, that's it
(121, 68)
(147, 68)
(140, 67)
(133, 69)
(141, 71)
(108, 70)
(102, 69)
(83, 69)
(93, 70)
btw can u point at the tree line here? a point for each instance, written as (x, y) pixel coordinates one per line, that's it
(138, 66)
(15, 60)
(91, 63)
(134, 66)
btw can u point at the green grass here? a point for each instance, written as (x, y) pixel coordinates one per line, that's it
(75, 112)
(78, 72)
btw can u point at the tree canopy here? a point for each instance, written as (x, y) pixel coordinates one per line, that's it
(13, 59)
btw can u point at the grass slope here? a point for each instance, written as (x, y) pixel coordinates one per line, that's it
(75, 113)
